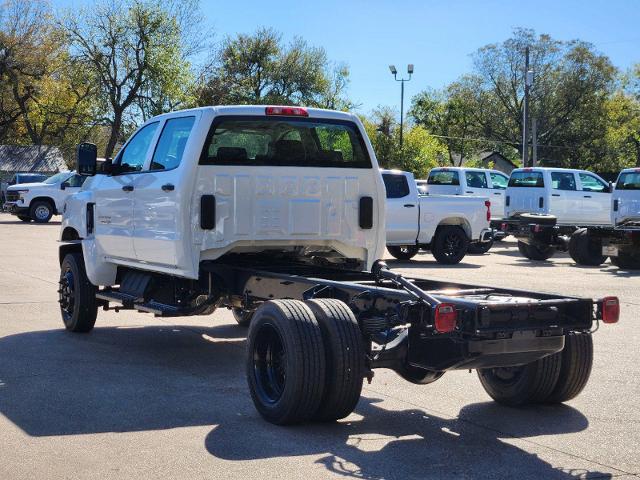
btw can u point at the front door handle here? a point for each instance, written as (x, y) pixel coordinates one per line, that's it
(468, 191)
(168, 187)
(409, 205)
(127, 188)
(555, 194)
(497, 193)
(587, 196)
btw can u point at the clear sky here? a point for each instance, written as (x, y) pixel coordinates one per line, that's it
(436, 36)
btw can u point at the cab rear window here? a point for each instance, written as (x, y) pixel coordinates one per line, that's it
(284, 142)
(443, 177)
(628, 181)
(526, 179)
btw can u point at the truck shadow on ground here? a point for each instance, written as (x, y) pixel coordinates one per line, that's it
(27, 224)
(128, 379)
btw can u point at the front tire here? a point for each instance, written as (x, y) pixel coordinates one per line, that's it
(403, 252)
(41, 211)
(585, 250)
(450, 244)
(345, 358)
(77, 295)
(514, 386)
(285, 362)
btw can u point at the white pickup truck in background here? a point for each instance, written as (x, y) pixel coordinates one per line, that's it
(447, 225)
(473, 182)
(40, 201)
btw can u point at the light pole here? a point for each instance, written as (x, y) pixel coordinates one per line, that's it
(528, 82)
(394, 72)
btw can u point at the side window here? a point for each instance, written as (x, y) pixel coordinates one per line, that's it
(499, 181)
(592, 184)
(76, 180)
(396, 185)
(443, 177)
(173, 140)
(476, 179)
(563, 181)
(131, 159)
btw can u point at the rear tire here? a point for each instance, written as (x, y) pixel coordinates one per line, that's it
(479, 248)
(576, 361)
(523, 248)
(540, 254)
(450, 244)
(585, 250)
(41, 211)
(77, 295)
(24, 218)
(626, 261)
(242, 316)
(345, 358)
(285, 362)
(514, 386)
(403, 252)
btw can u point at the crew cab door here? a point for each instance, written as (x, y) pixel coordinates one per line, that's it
(566, 199)
(498, 189)
(402, 210)
(158, 233)
(477, 184)
(596, 200)
(70, 186)
(114, 196)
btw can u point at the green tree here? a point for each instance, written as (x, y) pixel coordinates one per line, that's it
(135, 50)
(259, 68)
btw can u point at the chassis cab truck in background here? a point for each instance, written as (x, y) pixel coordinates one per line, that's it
(545, 206)
(278, 214)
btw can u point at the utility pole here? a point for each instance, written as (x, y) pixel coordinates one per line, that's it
(394, 72)
(534, 141)
(525, 112)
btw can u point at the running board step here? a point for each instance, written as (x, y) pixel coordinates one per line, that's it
(129, 302)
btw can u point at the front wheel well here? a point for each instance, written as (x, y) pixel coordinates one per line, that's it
(70, 234)
(68, 248)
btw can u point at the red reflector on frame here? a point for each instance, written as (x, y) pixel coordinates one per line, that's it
(445, 317)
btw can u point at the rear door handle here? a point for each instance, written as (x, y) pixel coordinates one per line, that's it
(409, 205)
(127, 188)
(555, 194)
(497, 193)
(587, 196)
(168, 187)
(468, 191)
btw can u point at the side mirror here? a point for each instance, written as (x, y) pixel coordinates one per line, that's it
(64, 185)
(611, 185)
(107, 166)
(86, 159)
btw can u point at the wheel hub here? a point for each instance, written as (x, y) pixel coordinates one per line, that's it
(42, 212)
(269, 364)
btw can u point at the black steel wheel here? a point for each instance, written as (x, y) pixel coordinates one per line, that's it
(242, 316)
(76, 295)
(285, 362)
(531, 383)
(585, 249)
(450, 244)
(345, 358)
(403, 252)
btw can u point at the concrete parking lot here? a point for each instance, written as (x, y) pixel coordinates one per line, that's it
(142, 397)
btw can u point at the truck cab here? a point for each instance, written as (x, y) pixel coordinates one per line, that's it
(574, 197)
(195, 185)
(39, 201)
(475, 182)
(626, 198)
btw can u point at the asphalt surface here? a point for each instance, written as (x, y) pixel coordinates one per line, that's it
(148, 398)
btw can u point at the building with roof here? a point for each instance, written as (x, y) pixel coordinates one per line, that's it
(30, 158)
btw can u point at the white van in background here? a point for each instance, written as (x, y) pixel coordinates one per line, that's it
(473, 182)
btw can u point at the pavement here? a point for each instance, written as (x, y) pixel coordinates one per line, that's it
(148, 398)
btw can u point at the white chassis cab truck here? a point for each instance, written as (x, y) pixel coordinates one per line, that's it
(447, 225)
(40, 201)
(278, 214)
(619, 241)
(545, 206)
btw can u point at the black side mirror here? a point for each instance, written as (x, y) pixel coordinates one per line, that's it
(64, 185)
(86, 159)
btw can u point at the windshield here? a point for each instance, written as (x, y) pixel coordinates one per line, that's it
(57, 178)
(628, 181)
(526, 179)
(443, 177)
(279, 142)
(29, 178)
